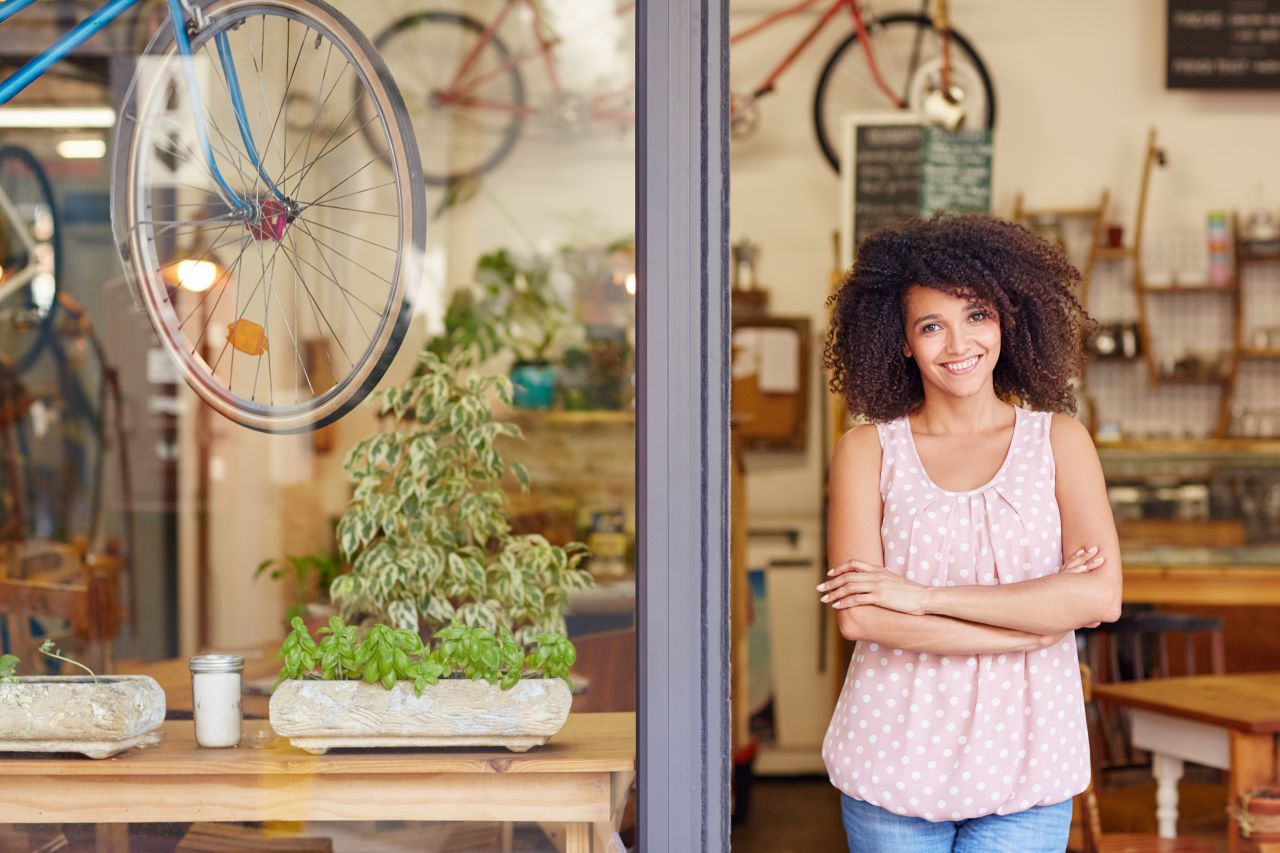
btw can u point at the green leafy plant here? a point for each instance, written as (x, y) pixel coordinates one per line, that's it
(535, 316)
(8, 669)
(299, 652)
(312, 574)
(426, 530)
(48, 648)
(338, 650)
(512, 304)
(387, 656)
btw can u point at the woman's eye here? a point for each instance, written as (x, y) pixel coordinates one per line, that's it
(979, 316)
(929, 327)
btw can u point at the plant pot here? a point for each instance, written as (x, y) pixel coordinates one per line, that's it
(74, 714)
(319, 715)
(534, 384)
(1258, 814)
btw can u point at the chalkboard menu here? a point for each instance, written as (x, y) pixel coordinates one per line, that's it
(1223, 44)
(902, 169)
(886, 177)
(956, 171)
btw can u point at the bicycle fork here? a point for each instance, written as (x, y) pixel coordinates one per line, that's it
(188, 19)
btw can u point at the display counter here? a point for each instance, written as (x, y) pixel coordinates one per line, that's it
(1199, 521)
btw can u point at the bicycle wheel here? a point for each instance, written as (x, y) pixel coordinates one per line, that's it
(467, 123)
(29, 258)
(846, 84)
(285, 314)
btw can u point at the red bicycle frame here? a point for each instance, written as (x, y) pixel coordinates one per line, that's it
(837, 6)
(457, 90)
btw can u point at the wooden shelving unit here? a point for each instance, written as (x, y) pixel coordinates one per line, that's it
(1224, 372)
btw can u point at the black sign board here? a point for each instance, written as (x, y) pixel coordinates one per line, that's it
(887, 160)
(956, 171)
(1223, 44)
(903, 169)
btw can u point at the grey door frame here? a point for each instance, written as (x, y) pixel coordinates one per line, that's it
(682, 453)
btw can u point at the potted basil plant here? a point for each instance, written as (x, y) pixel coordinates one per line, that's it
(386, 688)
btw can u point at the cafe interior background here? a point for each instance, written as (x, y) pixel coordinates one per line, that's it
(111, 461)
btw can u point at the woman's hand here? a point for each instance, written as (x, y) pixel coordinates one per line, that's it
(855, 582)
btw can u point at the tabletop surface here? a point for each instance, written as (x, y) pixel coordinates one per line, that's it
(1247, 703)
(588, 743)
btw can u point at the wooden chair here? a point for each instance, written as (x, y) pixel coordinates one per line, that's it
(55, 580)
(17, 840)
(1090, 818)
(229, 838)
(1144, 644)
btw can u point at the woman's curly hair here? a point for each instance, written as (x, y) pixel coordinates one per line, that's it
(1028, 282)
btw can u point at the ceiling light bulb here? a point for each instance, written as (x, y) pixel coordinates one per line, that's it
(82, 149)
(197, 276)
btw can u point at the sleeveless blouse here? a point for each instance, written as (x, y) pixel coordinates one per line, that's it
(952, 737)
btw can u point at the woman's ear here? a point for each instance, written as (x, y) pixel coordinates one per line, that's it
(906, 351)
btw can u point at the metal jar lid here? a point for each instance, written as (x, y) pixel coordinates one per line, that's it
(217, 663)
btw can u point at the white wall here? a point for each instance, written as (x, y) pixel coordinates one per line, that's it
(1078, 84)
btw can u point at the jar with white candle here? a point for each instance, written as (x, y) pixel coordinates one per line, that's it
(215, 687)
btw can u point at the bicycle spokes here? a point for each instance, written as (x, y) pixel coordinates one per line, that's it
(274, 265)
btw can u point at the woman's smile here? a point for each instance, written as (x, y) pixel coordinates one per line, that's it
(960, 368)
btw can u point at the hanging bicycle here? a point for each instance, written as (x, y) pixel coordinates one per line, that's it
(248, 243)
(469, 99)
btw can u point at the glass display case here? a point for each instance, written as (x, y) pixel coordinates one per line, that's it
(1199, 521)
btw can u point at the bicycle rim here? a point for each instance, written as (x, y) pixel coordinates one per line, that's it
(846, 84)
(307, 304)
(30, 308)
(466, 126)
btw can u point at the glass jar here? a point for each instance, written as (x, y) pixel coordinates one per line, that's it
(215, 691)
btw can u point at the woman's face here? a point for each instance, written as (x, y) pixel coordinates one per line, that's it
(954, 341)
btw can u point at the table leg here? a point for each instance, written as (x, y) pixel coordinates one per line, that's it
(1167, 770)
(1254, 763)
(577, 838)
(111, 838)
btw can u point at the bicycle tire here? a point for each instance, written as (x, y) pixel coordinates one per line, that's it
(829, 69)
(14, 155)
(141, 139)
(420, 108)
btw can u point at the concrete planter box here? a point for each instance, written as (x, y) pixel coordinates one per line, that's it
(73, 714)
(320, 715)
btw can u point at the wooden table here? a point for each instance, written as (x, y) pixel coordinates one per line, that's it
(580, 778)
(1231, 722)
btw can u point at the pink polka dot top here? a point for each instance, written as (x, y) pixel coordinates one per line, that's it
(951, 737)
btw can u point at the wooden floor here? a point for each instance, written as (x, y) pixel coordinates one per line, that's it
(803, 815)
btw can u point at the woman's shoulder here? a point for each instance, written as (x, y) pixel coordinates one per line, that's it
(858, 447)
(1070, 438)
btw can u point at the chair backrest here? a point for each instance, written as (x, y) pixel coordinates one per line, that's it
(59, 582)
(1086, 803)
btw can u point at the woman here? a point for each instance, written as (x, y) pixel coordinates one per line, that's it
(970, 534)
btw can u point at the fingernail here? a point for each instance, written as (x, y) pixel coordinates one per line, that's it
(1096, 560)
(825, 597)
(822, 586)
(830, 572)
(1094, 548)
(1078, 553)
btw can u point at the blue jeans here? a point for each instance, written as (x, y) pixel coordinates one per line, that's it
(871, 829)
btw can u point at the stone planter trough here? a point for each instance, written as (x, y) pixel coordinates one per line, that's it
(320, 715)
(73, 714)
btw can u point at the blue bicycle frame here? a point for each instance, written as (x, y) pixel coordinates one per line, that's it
(103, 17)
